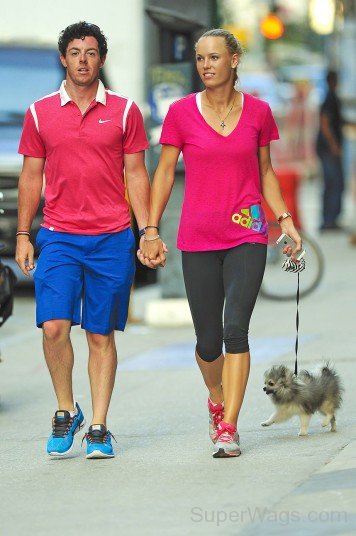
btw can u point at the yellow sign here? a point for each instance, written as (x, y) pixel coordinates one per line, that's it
(242, 34)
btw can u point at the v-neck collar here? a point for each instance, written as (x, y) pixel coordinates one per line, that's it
(199, 106)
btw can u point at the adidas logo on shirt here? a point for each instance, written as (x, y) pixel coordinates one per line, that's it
(251, 218)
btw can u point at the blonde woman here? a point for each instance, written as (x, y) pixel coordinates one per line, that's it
(224, 136)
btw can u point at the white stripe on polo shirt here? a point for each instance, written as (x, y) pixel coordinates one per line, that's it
(34, 115)
(127, 107)
(100, 97)
(33, 108)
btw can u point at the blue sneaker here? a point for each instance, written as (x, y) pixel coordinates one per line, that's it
(99, 442)
(60, 442)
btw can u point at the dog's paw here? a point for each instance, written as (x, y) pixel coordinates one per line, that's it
(266, 423)
(302, 433)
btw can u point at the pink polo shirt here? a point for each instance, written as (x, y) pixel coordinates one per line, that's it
(84, 168)
(222, 196)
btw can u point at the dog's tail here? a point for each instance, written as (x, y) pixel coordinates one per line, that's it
(328, 370)
(332, 380)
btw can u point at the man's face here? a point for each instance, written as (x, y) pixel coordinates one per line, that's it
(82, 61)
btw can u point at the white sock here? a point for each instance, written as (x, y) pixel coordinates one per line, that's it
(75, 411)
(217, 403)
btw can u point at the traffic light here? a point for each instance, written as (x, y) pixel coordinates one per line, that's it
(271, 26)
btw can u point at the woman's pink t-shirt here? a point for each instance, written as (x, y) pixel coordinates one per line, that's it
(222, 196)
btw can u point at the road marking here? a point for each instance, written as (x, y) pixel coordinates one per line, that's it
(181, 355)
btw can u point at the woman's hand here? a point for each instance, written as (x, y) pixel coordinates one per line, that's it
(152, 253)
(287, 227)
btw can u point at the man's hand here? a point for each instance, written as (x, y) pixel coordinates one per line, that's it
(24, 254)
(152, 253)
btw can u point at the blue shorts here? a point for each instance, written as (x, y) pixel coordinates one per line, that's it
(85, 279)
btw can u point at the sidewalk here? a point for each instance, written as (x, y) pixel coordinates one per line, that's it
(163, 480)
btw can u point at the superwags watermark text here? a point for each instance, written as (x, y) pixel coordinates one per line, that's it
(259, 515)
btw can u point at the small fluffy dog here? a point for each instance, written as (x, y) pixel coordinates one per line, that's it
(303, 395)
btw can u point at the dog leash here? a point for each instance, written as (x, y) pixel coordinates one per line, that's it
(294, 267)
(297, 331)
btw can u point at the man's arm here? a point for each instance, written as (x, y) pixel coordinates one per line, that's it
(138, 186)
(152, 253)
(328, 135)
(30, 188)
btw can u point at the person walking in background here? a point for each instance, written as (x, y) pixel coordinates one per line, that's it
(224, 136)
(84, 137)
(329, 150)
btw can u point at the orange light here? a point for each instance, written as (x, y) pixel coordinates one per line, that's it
(272, 27)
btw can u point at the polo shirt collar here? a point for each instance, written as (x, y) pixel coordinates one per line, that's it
(100, 94)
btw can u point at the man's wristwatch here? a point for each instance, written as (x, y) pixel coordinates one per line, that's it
(284, 216)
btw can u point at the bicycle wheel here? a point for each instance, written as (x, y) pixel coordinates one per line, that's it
(280, 285)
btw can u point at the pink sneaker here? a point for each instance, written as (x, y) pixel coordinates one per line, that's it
(216, 415)
(227, 443)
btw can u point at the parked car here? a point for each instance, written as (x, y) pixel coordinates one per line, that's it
(27, 73)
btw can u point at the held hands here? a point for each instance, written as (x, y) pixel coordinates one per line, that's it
(152, 253)
(287, 227)
(24, 254)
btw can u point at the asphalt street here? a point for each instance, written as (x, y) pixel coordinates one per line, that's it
(164, 480)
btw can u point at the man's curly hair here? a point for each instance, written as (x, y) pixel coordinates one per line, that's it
(80, 30)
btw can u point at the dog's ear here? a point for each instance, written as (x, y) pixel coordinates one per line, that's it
(283, 371)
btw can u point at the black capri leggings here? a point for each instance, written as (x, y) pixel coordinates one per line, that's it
(212, 278)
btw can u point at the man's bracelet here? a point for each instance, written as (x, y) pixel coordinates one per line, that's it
(26, 233)
(151, 239)
(152, 227)
(284, 216)
(141, 232)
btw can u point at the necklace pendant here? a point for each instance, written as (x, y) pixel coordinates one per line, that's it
(222, 124)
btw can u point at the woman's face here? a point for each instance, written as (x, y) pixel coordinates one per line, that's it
(215, 63)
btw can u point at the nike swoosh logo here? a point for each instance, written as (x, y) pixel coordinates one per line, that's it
(104, 120)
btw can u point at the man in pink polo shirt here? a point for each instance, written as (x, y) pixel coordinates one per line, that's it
(82, 137)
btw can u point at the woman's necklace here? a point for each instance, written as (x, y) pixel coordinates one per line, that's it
(223, 124)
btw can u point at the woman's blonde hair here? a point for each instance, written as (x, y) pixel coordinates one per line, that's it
(232, 43)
